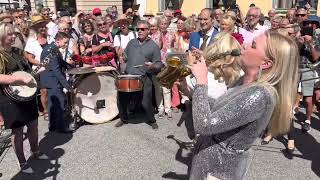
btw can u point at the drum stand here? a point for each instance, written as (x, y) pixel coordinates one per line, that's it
(71, 111)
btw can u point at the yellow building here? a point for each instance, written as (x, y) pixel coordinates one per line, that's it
(189, 7)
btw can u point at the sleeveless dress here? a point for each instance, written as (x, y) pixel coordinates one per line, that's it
(16, 114)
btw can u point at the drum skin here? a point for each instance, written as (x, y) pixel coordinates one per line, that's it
(129, 83)
(94, 87)
(22, 92)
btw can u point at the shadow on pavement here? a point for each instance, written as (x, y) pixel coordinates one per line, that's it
(179, 157)
(186, 117)
(309, 148)
(47, 168)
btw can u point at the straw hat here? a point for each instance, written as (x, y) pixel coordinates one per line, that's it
(37, 19)
(5, 15)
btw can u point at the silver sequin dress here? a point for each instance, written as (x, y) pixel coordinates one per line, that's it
(228, 126)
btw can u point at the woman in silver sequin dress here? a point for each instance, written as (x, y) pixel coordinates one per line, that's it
(229, 125)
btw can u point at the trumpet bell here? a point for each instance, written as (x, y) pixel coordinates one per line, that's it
(174, 71)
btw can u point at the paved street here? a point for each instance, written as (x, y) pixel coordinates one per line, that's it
(135, 151)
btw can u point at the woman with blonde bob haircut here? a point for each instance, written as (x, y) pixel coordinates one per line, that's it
(225, 69)
(227, 23)
(230, 125)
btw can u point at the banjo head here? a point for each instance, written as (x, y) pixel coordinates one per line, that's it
(23, 92)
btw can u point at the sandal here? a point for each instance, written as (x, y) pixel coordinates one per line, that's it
(266, 140)
(290, 147)
(46, 116)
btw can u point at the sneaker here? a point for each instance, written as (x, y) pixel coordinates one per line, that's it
(26, 168)
(306, 127)
(161, 114)
(169, 115)
(154, 126)
(40, 156)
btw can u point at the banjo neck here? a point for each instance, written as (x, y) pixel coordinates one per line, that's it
(43, 64)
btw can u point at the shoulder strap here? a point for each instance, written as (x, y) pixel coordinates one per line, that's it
(8, 57)
(66, 53)
(134, 34)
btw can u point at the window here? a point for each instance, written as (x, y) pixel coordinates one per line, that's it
(168, 4)
(218, 3)
(287, 4)
(283, 4)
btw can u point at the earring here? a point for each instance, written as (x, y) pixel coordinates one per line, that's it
(220, 79)
(260, 72)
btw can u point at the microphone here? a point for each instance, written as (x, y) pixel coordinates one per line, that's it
(233, 52)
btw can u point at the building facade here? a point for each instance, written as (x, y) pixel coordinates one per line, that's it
(188, 7)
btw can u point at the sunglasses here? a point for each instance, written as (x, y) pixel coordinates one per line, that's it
(10, 22)
(252, 15)
(102, 24)
(142, 29)
(45, 14)
(302, 15)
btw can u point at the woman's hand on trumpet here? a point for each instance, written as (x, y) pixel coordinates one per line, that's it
(200, 70)
(197, 53)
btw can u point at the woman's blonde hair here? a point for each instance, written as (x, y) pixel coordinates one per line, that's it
(229, 20)
(4, 29)
(224, 68)
(190, 25)
(154, 21)
(283, 76)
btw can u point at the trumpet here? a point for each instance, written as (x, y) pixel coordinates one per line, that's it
(176, 69)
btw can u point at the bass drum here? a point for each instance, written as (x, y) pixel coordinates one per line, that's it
(95, 98)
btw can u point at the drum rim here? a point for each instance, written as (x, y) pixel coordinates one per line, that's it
(129, 75)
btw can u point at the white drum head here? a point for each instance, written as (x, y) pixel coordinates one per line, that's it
(91, 89)
(25, 90)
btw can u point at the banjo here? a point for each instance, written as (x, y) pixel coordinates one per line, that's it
(20, 92)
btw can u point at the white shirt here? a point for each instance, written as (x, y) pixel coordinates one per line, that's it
(248, 36)
(124, 40)
(209, 33)
(70, 50)
(215, 88)
(33, 47)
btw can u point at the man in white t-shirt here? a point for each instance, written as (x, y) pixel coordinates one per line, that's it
(122, 39)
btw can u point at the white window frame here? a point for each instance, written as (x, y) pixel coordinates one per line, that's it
(162, 5)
